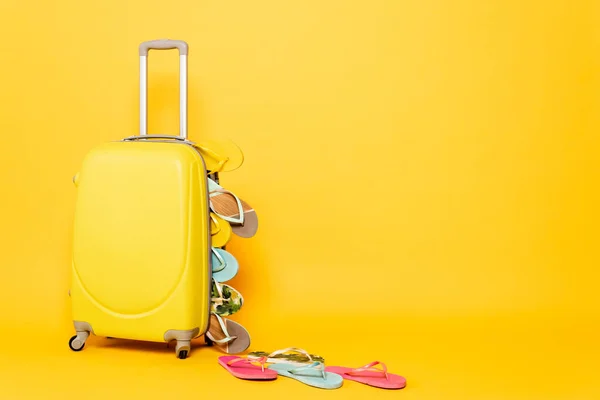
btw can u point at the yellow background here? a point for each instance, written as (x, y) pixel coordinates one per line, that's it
(425, 175)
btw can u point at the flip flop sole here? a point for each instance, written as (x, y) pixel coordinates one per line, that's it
(225, 205)
(250, 226)
(293, 359)
(331, 381)
(223, 148)
(222, 231)
(231, 302)
(247, 371)
(374, 379)
(231, 266)
(236, 346)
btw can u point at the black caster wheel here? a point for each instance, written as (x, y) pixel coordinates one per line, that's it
(208, 341)
(182, 354)
(77, 346)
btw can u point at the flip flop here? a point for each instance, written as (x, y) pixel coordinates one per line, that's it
(225, 300)
(220, 156)
(246, 369)
(243, 218)
(298, 357)
(312, 374)
(220, 231)
(224, 265)
(228, 335)
(371, 376)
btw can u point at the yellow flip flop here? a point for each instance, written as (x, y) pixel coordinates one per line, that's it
(220, 156)
(220, 230)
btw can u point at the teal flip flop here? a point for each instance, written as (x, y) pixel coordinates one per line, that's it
(312, 374)
(224, 265)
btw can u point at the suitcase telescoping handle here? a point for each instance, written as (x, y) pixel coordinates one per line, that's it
(164, 44)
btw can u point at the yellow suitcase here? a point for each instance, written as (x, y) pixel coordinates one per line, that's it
(141, 262)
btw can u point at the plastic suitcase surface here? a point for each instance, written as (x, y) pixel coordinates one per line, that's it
(141, 250)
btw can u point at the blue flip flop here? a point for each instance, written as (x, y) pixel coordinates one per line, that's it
(312, 374)
(224, 265)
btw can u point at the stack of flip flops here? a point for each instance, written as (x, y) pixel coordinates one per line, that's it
(309, 369)
(229, 216)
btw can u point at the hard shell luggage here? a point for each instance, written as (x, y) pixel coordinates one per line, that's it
(141, 261)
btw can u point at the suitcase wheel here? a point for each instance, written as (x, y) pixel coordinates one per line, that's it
(183, 349)
(208, 341)
(76, 344)
(182, 354)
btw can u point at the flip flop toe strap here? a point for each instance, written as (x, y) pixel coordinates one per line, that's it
(288, 349)
(221, 341)
(241, 360)
(316, 369)
(215, 222)
(228, 338)
(222, 263)
(370, 368)
(220, 192)
(221, 160)
(219, 288)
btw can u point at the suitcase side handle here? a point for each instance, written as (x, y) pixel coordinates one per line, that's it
(164, 44)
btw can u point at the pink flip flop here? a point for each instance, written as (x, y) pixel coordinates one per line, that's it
(244, 368)
(371, 376)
